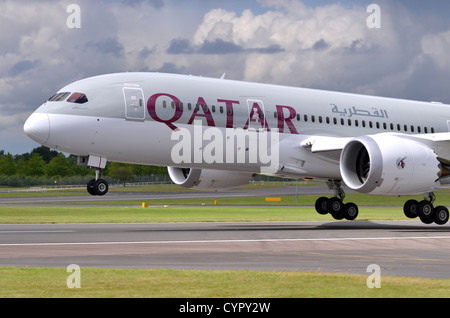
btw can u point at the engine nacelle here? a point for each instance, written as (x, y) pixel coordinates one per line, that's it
(389, 164)
(204, 179)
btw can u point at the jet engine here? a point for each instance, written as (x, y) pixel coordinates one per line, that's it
(204, 179)
(389, 164)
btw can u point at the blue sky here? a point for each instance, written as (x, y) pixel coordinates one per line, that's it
(311, 43)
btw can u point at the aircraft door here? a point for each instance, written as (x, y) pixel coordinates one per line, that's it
(134, 103)
(256, 115)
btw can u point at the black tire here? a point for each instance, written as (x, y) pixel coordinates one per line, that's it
(90, 187)
(321, 206)
(441, 215)
(335, 207)
(425, 210)
(426, 220)
(101, 187)
(350, 211)
(410, 209)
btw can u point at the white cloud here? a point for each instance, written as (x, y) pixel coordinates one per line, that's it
(437, 46)
(273, 41)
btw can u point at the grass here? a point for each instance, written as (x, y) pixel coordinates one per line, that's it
(101, 214)
(161, 283)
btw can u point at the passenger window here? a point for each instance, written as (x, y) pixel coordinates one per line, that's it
(78, 98)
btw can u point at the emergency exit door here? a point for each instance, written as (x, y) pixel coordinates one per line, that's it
(134, 103)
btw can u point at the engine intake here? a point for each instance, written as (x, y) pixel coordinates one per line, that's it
(389, 164)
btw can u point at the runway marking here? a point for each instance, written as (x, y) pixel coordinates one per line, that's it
(36, 231)
(235, 241)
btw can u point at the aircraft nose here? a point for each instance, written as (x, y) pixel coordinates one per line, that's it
(37, 127)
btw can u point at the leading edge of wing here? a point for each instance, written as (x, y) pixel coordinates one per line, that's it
(325, 144)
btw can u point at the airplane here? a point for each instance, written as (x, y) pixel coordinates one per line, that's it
(216, 133)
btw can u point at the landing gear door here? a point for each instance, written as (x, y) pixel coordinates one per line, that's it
(256, 115)
(134, 103)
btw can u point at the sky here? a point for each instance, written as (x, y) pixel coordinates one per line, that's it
(399, 50)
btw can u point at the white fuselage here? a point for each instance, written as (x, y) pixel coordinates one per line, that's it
(135, 117)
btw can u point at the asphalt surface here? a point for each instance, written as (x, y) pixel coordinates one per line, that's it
(146, 196)
(403, 248)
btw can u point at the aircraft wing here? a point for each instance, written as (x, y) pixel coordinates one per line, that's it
(325, 144)
(331, 147)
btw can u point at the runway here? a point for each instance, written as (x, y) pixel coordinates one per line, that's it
(148, 196)
(403, 248)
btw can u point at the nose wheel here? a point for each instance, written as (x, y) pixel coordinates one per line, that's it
(97, 186)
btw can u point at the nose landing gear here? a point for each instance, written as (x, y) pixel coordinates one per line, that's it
(97, 186)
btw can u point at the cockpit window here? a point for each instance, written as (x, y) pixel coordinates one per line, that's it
(59, 97)
(78, 98)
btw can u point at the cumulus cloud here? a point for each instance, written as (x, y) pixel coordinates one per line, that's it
(289, 42)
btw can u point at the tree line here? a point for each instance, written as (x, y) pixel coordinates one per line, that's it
(45, 166)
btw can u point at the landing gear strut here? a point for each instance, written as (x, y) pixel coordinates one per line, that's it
(97, 186)
(335, 205)
(425, 210)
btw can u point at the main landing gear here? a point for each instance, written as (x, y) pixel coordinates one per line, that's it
(97, 186)
(335, 205)
(425, 210)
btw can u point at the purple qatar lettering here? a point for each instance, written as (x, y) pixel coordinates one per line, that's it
(151, 108)
(201, 105)
(206, 113)
(282, 119)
